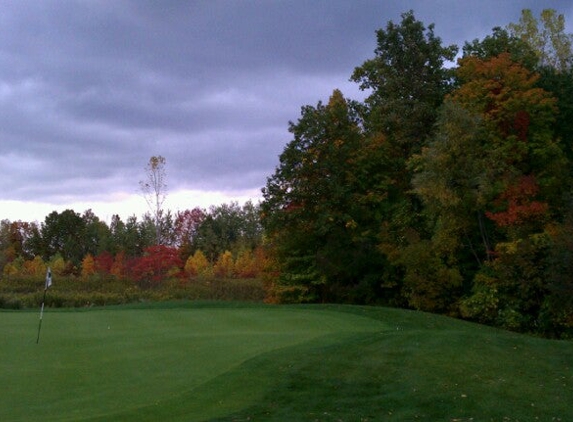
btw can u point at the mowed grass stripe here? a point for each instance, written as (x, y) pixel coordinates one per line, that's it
(428, 368)
(120, 362)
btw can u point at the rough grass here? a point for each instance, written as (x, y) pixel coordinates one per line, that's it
(233, 362)
(72, 292)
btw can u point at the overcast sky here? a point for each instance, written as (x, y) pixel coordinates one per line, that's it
(90, 90)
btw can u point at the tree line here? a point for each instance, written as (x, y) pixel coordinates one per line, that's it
(448, 189)
(223, 241)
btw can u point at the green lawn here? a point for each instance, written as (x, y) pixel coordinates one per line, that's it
(199, 362)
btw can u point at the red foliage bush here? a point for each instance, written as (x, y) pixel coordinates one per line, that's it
(519, 206)
(157, 264)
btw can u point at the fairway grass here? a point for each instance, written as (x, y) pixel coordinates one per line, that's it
(196, 362)
(116, 362)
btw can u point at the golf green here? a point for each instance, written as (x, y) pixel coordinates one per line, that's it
(137, 364)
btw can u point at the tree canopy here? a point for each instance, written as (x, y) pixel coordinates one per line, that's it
(447, 189)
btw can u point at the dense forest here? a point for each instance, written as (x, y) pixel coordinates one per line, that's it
(447, 189)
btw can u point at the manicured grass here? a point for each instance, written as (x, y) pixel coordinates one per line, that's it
(206, 362)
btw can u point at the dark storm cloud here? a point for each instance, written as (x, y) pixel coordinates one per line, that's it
(90, 90)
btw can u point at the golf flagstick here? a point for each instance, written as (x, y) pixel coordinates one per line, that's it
(48, 284)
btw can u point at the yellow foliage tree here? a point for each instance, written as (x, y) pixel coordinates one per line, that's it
(245, 265)
(197, 265)
(262, 260)
(88, 266)
(225, 266)
(36, 267)
(58, 265)
(10, 269)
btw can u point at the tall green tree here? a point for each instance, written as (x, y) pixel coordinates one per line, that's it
(408, 80)
(449, 180)
(97, 234)
(502, 41)
(117, 234)
(218, 232)
(62, 234)
(141, 234)
(228, 227)
(320, 204)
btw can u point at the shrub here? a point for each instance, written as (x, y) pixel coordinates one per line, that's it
(158, 263)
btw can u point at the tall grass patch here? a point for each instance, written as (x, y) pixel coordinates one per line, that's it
(73, 292)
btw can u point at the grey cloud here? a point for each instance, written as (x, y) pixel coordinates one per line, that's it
(90, 90)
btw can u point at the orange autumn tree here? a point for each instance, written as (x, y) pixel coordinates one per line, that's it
(245, 264)
(518, 204)
(489, 181)
(88, 266)
(521, 165)
(487, 176)
(522, 162)
(34, 267)
(119, 266)
(225, 265)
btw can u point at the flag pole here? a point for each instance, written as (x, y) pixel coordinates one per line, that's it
(48, 284)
